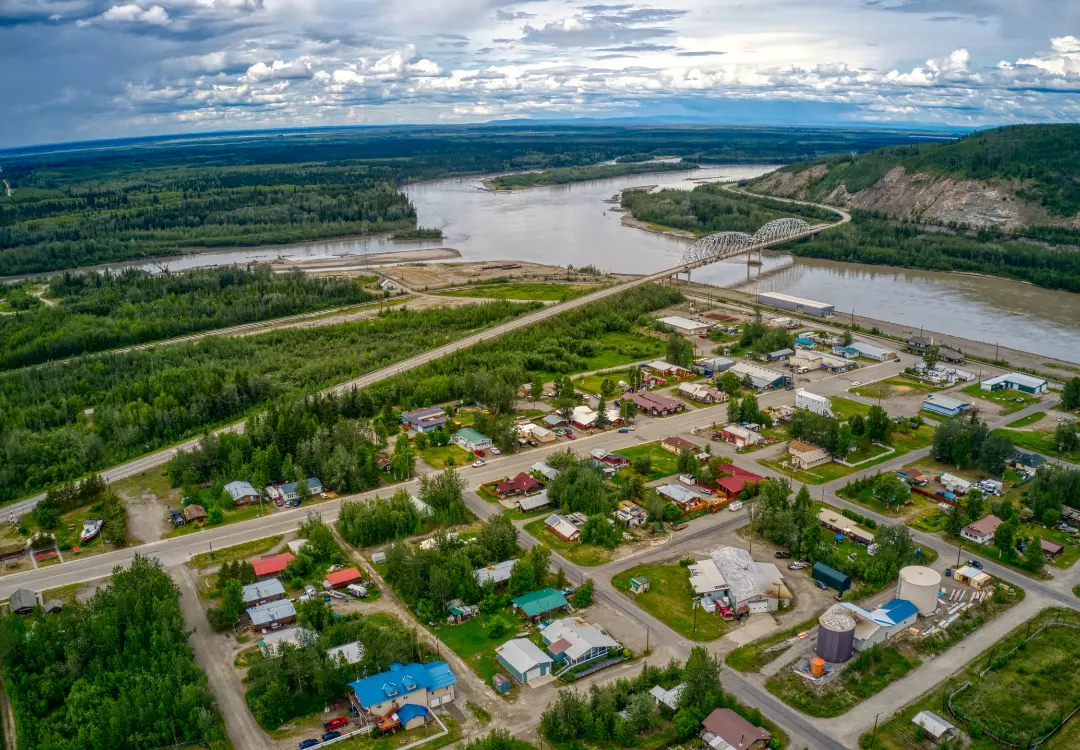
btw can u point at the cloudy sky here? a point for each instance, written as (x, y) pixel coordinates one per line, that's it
(81, 69)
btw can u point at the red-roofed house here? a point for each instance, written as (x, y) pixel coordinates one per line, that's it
(341, 578)
(732, 485)
(522, 484)
(981, 531)
(266, 567)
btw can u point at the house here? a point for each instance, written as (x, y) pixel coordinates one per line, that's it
(933, 725)
(541, 604)
(710, 367)
(547, 472)
(805, 342)
(1050, 549)
(536, 432)
(919, 344)
(675, 444)
(242, 493)
(22, 601)
(752, 586)
(870, 351)
(471, 440)
(877, 626)
(954, 484)
(521, 484)
(833, 521)
(779, 355)
(497, 573)
(272, 615)
(847, 351)
(706, 394)
(349, 653)
(740, 437)
(460, 611)
(262, 592)
(981, 531)
(707, 581)
(971, 576)
(194, 512)
(726, 730)
(1015, 381)
(562, 528)
(524, 660)
(789, 323)
(654, 404)
(425, 420)
(631, 515)
(603, 456)
(387, 285)
(761, 378)
(639, 585)
(298, 636)
(668, 698)
(554, 420)
(288, 491)
(731, 486)
(836, 364)
(272, 565)
(805, 456)
(1027, 460)
(341, 578)
(678, 494)
(685, 326)
(812, 402)
(529, 503)
(668, 370)
(944, 405)
(381, 699)
(573, 641)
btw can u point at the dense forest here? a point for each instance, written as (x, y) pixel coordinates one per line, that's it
(142, 400)
(115, 672)
(99, 311)
(1041, 161)
(129, 199)
(565, 175)
(714, 208)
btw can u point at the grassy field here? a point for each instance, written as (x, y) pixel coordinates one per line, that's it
(243, 551)
(1010, 401)
(670, 599)
(864, 676)
(817, 475)
(754, 655)
(902, 443)
(1030, 419)
(470, 641)
(1068, 556)
(575, 552)
(898, 386)
(664, 463)
(446, 455)
(1040, 442)
(591, 383)
(524, 291)
(230, 515)
(845, 408)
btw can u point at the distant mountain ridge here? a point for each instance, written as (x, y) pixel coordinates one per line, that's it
(1008, 178)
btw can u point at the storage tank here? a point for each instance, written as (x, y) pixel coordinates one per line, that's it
(817, 666)
(836, 635)
(919, 585)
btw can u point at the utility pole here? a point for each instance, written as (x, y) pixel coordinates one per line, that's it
(959, 549)
(211, 550)
(874, 735)
(696, 603)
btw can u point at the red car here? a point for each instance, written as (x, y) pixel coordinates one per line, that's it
(479, 452)
(337, 723)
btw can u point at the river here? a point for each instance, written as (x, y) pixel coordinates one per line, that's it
(570, 224)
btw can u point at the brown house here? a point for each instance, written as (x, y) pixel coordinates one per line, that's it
(677, 445)
(194, 512)
(733, 729)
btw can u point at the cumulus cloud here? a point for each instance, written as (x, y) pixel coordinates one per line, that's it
(599, 25)
(132, 13)
(512, 15)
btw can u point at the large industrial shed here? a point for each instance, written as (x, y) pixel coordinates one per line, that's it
(796, 304)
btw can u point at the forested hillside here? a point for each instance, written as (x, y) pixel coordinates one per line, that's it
(98, 311)
(128, 199)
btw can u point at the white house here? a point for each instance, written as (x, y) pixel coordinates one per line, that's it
(706, 394)
(571, 640)
(471, 440)
(806, 456)
(707, 581)
(981, 531)
(813, 402)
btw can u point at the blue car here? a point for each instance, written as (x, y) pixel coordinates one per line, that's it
(624, 430)
(330, 736)
(308, 743)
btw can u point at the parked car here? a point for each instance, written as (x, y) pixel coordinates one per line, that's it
(478, 464)
(479, 452)
(975, 564)
(567, 590)
(678, 527)
(821, 585)
(310, 590)
(789, 387)
(624, 430)
(782, 555)
(337, 595)
(570, 435)
(335, 723)
(532, 443)
(323, 495)
(330, 736)
(308, 743)
(798, 565)
(495, 451)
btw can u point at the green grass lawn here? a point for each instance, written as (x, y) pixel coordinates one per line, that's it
(754, 655)
(817, 475)
(670, 600)
(614, 349)
(898, 386)
(470, 640)
(1040, 442)
(902, 443)
(664, 463)
(591, 383)
(242, 551)
(447, 455)
(864, 676)
(524, 291)
(1030, 419)
(575, 552)
(866, 452)
(845, 408)
(1010, 401)
(1068, 556)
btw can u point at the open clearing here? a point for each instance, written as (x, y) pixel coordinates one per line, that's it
(670, 599)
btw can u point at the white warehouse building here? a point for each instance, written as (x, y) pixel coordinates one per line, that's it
(812, 402)
(796, 304)
(685, 326)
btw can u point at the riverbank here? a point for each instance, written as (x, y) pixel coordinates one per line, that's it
(360, 262)
(644, 226)
(568, 175)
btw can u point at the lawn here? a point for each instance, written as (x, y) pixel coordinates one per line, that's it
(1009, 400)
(617, 348)
(902, 442)
(446, 455)
(1068, 556)
(1040, 442)
(590, 384)
(524, 291)
(756, 654)
(664, 463)
(670, 600)
(898, 386)
(845, 408)
(864, 676)
(242, 551)
(471, 641)
(817, 475)
(1030, 419)
(580, 554)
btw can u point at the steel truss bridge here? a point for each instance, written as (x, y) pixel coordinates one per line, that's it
(723, 245)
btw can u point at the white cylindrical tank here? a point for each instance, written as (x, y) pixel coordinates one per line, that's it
(919, 585)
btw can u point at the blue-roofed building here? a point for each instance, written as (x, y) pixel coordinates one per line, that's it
(945, 405)
(412, 715)
(379, 696)
(874, 627)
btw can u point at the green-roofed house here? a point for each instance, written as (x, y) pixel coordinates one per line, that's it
(540, 604)
(471, 440)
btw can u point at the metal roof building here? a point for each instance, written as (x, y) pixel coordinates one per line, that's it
(796, 304)
(272, 612)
